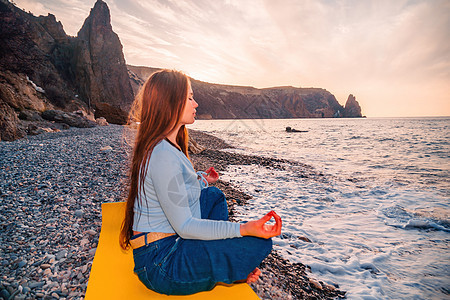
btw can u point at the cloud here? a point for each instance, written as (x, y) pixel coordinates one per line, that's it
(32, 6)
(71, 13)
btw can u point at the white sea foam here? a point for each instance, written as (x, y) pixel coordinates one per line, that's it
(378, 219)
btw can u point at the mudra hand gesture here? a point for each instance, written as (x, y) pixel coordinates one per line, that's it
(259, 228)
(211, 175)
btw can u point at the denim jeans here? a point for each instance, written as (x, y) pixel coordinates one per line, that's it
(176, 266)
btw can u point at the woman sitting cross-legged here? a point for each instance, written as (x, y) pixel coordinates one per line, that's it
(177, 226)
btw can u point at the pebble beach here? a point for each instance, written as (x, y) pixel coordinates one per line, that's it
(52, 186)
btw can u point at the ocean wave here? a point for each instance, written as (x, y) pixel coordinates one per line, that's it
(424, 224)
(373, 200)
(429, 219)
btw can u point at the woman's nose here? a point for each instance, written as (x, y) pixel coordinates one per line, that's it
(195, 104)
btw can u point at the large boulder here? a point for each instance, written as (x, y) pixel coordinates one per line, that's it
(71, 119)
(30, 115)
(101, 122)
(112, 114)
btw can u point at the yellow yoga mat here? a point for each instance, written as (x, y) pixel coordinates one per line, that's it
(112, 274)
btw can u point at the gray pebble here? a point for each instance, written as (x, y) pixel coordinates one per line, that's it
(92, 251)
(61, 254)
(37, 263)
(5, 294)
(33, 285)
(21, 264)
(73, 294)
(10, 289)
(47, 272)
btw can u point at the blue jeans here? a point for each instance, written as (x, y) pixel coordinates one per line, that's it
(176, 266)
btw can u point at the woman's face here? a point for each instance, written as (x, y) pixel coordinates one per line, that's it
(188, 116)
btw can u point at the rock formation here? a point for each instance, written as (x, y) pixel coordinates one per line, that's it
(100, 68)
(71, 119)
(352, 108)
(112, 114)
(27, 76)
(42, 68)
(218, 101)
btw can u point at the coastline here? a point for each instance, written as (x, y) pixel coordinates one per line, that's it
(52, 187)
(280, 279)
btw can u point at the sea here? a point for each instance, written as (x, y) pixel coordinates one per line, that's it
(376, 212)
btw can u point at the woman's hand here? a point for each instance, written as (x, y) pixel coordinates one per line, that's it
(260, 229)
(253, 276)
(211, 175)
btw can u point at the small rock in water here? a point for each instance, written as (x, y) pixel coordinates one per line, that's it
(45, 266)
(315, 283)
(305, 239)
(329, 286)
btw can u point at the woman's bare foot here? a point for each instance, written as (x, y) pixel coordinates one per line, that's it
(253, 276)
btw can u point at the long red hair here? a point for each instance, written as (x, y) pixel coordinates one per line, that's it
(157, 108)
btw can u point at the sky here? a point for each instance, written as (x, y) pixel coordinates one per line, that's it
(392, 55)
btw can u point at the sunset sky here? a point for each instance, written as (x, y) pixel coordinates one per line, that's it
(393, 55)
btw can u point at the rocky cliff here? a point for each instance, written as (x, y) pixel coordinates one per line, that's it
(352, 108)
(218, 101)
(224, 102)
(42, 68)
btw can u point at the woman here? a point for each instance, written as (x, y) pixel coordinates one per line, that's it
(177, 226)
